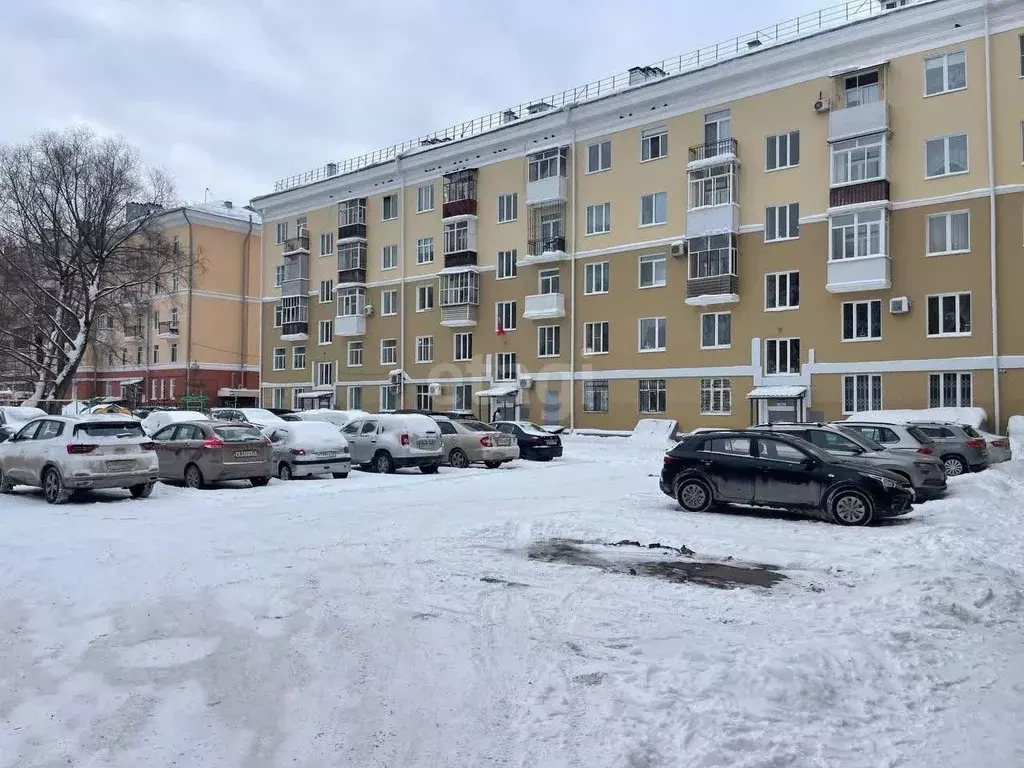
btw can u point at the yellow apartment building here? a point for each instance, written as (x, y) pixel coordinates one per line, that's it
(196, 335)
(809, 221)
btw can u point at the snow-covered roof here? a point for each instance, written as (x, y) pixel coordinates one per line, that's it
(499, 391)
(779, 392)
(236, 212)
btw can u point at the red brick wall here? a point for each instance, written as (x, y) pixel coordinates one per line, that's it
(204, 381)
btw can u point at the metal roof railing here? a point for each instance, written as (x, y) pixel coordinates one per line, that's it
(832, 17)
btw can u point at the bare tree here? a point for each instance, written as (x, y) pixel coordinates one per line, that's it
(79, 220)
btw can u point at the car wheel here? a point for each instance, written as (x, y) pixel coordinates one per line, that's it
(193, 477)
(430, 469)
(492, 464)
(339, 475)
(6, 486)
(383, 463)
(458, 459)
(258, 482)
(53, 487)
(284, 472)
(141, 491)
(852, 508)
(954, 465)
(694, 495)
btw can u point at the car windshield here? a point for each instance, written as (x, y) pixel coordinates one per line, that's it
(259, 414)
(476, 426)
(237, 434)
(860, 439)
(918, 435)
(110, 429)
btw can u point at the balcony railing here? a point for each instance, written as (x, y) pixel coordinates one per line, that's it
(350, 325)
(297, 244)
(458, 315)
(168, 328)
(465, 207)
(460, 259)
(459, 192)
(859, 120)
(864, 273)
(544, 306)
(854, 194)
(295, 331)
(714, 150)
(352, 231)
(718, 289)
(542, 245)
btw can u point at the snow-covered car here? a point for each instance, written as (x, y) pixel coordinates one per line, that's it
(157, 420)
(389, 441)
(998, 446)
(261, 417)
(309, 448)
(337, 418)
(63, 454)
(14, 417)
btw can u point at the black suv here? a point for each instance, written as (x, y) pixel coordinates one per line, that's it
(749, 467)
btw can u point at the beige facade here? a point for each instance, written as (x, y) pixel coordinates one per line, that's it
(820, 238)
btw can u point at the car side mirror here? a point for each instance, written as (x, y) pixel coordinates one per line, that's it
(809, 462)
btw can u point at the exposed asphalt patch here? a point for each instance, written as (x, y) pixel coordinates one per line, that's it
(709, 574)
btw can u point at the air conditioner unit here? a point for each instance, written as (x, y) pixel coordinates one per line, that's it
(899, 306)
(822, 105)
(368, 310)
(525, 382)
(434, 390)
(678, 248)
(395, 377)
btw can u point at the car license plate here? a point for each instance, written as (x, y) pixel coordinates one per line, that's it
(246, 454)
(426, 445)
(326, 454)
(552, 441)
(504, 441)
(117, 466)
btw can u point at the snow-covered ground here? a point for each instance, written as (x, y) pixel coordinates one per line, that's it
(400, 621)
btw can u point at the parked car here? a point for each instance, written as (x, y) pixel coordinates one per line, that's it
(959, 451)
(337, 418)
(925, 474)
(14, 417)
(261, 417)
(895, 437)
(774, 470)
(998, 446)
(535, 443)
(157, 420)
(309, 448)
(466, 442)
(64, 454)
(292, 417)
(387, 442)
(205, 451)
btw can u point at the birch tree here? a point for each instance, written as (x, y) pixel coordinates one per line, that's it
(79, 224)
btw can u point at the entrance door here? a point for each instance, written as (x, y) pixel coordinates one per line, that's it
(779, 411)
(552, 406)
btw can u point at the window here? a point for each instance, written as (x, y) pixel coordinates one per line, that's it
(326, 291)
(424, 298)
(732, 446)
(279, 358)
(354, 398)
(712, 256)
(424, 400)
(862, 88)
(388, 351)
(282, 232)
(505, 315)
(324, 331)
(776, 450)
(862, 392)
(463, 397)
(782, 222)
(782, 290)
(652, 271)
(653, 209)
(714, 185)
(599, 156)
(599, 219)
(782, 151)
(389, 302)
(548, 164)
(857, 234)
(389, 257)
(549, 341)
(506, 265)
(717, 128)
(946, 155)
(949, 390)
(176, 244)
(858, 160)
(138, 355)
(424, 349)
(653, 144)
(508, 207)
(388, 399)
(651, 396)
(300, 225)
(389, 207)
(456, 237)
(716, 330)
(549, 281)
(946, 73)
(596, 277)
(425, 198)
(326, 243)
(595, 396)
(425, 250)
(299, 358)
(354, 358)
(949, 314)
(156, 356)
(324, 374)
(782, 356)
(351, 302)
(862, 320)
(715, 397)
(595, 338)
(278, 275)
(174, 353)
(463, 346)
(949, 233)
(652, 334)
(174, 283)
(507, 369)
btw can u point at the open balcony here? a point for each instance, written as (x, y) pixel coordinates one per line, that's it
(352, 220)
(861, 273)
(546, 232)
(544, 306)
(295, 276)
(712, 153)
(168, 329)
(459, 193)
(352, 264)
(295, 245)
(859, 120)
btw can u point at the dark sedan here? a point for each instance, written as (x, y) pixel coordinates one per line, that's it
(752, 468)
(535, 443)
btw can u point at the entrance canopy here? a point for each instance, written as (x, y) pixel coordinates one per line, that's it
(314, 395)
(796, 392)
(509, 390)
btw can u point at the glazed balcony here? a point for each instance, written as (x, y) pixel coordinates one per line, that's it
(544, 306)
(719, 289)
(861, 273)
(459, 246)
(459, 296)
(295, 245)
(873, 191)
(460, 190)
(352, 264)
(295, 331)
(352, 220)
(712, 274)
(295, 276)
(859, 120)
(350, 325)
(459, 316)
(547, 176)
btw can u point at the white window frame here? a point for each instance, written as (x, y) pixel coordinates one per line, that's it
(504, 310)
(782, 218)
(660, 325)
(329, 286)
(549, 281)
(596, 274)
(656, 387)
(714, 318)
(940, 297)
(278, 275)
(425, 250)
(462, 397)
(508, 207)
(944, 64)
(321, 368)
(387, 398)
(653, 259)
(598, 398)
(654, 198)
(772, 154)
(793, 366)
(711, 186)
(948, 227)
(462, 347)
(598, 331)
(354, 354)
(862, 228)
(389, 202)
(603, 156)
(871, 400)
(173, 354)
(324, 328)
(549, 341)
(425, 198)
(389, 302)
(959, 377)
(424, 349)
(326, 243)
(282, 231)
(279, 358)
(651, 139)
(781, 296)
(392, 358)
(388, 257)
(712, 389)
(506, 367)
(599, 219)
(424, 298)
(354, 403)
(853, 337)
(854, 154)
(507, 265)
(946, 155)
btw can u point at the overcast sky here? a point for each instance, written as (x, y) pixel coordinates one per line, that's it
(234, 94)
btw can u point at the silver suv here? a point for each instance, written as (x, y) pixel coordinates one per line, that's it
(389, 441)
(960, 451)
(923, 472)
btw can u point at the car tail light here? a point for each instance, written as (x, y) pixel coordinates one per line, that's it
(486, 441)
(78, 449)
(925, 451)
(976, 444)
(344, 450)
(405, 438)
(998, 443)
(213, 442)
(297, 451)
(264, 439)
(669, 460)
(148, 446)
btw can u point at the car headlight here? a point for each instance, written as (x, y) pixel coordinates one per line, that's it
(885, 481)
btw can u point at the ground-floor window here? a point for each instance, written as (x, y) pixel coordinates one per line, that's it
(275, 398)
(595, 396)
(463, 397)
(388, 397)
(716, 397)
(297, 402)
(652, 396)
(354, 398)
(950, 390)
(424, 400)
(862, 392)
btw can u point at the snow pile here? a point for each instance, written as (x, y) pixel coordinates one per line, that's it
(74, 408)
(18, 416)
(654, 432)
(1016, 433)
(973, 417)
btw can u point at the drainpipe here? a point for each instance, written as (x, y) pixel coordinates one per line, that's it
(992, 223)
(572, 281)
(259, 341)
(401, 274)
(244, 293)
(191, 277)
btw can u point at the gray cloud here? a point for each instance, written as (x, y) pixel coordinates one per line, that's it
(233, 94)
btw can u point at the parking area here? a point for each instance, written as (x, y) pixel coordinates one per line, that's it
(542, 614)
